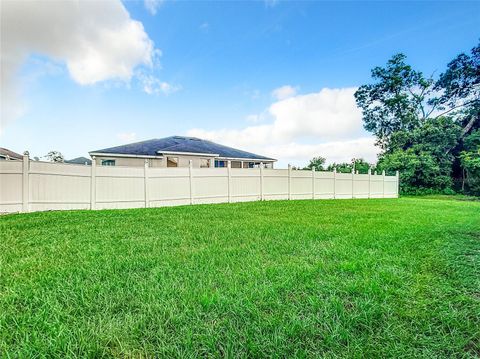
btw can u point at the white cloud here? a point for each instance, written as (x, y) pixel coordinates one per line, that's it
(335, 151)
(127, 136)
(328, 114)
(284, 92)
(97, 41)
(204, 27)
(153, 86)
(326, 123)
(152, 5)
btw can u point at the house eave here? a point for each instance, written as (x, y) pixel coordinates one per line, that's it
(247, 159)
(161, 154)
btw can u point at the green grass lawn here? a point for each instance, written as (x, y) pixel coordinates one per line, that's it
(345, 278)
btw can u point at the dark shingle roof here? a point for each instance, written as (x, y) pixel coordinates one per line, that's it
(80, 161)
(4, 152)
(179, 144)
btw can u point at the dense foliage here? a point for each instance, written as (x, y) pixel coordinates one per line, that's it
(357, 164)
(427, 129)
(55, 156)
(470, 160)
(317, 163)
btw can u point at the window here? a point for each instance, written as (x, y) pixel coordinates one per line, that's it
(172, 161)
(108, 162)
(220, 163)
(204, 163)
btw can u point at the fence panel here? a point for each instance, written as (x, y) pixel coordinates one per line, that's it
(11, 187)
(301, 185)
(324, 185)
(361, 185)
(169, 186)
(275, 184)
(390, 187)
(376, 186)
(245, 184)
(343, 185)
(37, 186)
(210, 185)
(54, 186)
(119, 187)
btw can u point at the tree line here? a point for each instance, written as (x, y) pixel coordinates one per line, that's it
(427, 128)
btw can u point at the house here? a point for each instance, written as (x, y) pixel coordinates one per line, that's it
(178, 151)
(6, 154)
(80, 161)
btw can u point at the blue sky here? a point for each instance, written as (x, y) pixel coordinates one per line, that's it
(215, 68)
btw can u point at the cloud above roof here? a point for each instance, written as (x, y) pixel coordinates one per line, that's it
(326, 123)
(283, 92)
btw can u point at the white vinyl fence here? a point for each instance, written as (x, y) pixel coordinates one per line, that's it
(28, 186)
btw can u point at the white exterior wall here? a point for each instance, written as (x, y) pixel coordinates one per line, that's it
(39, 186)
(131, 161)
(183, 161)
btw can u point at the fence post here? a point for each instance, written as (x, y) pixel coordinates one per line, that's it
(383, 183)
(25, 182)
(93, 183)
(262, 196)
(229, 173)
(190, 174)
(334, 183)
(369, 181)
(145, 179)
(353, 180)
(397, 174)
(313, 182)
(289, 181)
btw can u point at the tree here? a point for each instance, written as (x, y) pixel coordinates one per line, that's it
(359, 164)
(55, 156)
(398, 100)
(317, 163)
(460, 88)
(422, 156)
(470, 160)
(344, 167)
(422, 125)
(419, 171)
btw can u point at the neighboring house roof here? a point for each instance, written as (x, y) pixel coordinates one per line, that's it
(80, 161)
(4, 152)
(179, 144)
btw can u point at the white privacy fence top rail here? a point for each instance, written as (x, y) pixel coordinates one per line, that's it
(27, 186)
